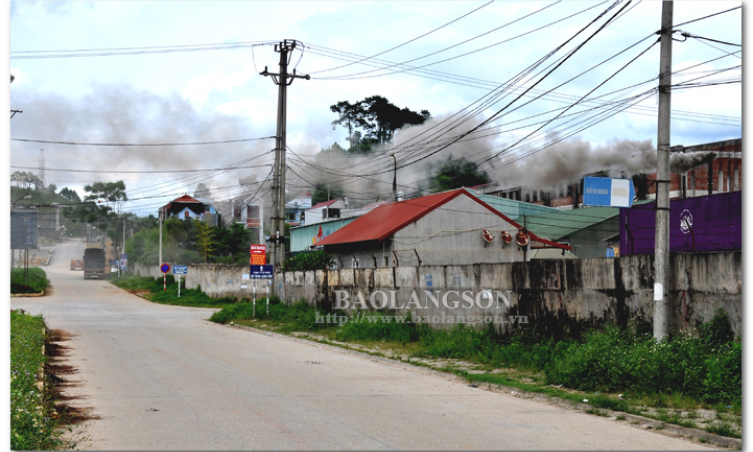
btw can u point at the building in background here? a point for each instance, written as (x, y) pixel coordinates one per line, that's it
(189, 207)
(721, 174)
(325, 210)
(449, 228)
(303, 238)
(295, 209)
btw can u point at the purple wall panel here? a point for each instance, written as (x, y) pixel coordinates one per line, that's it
(706, 223)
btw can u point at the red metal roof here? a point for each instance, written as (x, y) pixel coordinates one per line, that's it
(186, 198)
(325, 203)
(185, 201)
(387, 219)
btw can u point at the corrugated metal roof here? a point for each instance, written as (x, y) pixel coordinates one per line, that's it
(515, 209)
(387, 219)
(556, 225)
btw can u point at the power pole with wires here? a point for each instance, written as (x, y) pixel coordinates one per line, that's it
(661, 258)
(277, 233)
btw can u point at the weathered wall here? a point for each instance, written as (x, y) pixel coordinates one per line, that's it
(557, 295)
(218, 280)
(151, 271)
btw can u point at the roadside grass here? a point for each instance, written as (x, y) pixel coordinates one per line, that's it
(33, 424)
(35, 282)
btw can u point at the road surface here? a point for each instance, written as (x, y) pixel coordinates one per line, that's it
(162, 377)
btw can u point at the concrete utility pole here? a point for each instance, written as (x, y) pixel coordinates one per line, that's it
(661, 258)
(283, 80)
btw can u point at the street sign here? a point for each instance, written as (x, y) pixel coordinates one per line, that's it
(180, 269)
(124, 262)
(258, 254)
(164, 268)
(23, 229)
(261, 272)
(604, 191)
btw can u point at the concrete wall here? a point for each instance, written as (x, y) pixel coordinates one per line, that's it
(151, 271)
(558, 296)
(218, 280)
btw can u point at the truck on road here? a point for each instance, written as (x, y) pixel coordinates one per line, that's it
(94, 263)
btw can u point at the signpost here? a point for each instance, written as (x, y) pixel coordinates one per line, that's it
(124, 262)
(180, 270)
(604, 191)
(165, 269)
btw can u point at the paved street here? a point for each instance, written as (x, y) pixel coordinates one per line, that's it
(162, 377)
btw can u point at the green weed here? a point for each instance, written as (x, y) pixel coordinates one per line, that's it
(32, 423)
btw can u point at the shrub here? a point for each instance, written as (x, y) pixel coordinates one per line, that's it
(314, 260)
(35, 282)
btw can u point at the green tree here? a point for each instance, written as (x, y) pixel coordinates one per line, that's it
(97, 209)
(457, 173)
(377, 117)
(351, 117)
(205, 241)
(69, 194)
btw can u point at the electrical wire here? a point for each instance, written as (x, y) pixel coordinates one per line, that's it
(195, 143)
(407, 42)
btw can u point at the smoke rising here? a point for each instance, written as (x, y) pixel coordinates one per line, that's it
(119, 114)
(568, 161)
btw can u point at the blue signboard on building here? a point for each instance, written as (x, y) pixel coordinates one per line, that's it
(261, 272)
(180, 269)
(604, 191)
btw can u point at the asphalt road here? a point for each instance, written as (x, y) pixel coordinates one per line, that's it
(162, 377)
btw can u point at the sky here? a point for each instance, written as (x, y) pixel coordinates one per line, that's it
(113, 75)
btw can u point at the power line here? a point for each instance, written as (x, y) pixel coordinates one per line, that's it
(45, 54)
(705, 17)
(195, 143)
(407, 42)
(409, 68)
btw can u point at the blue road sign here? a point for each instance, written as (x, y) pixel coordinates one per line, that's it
(164, 268)
(180, 269)
(261, 272)
(604, 191)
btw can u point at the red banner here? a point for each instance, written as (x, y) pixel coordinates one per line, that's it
(258, 254)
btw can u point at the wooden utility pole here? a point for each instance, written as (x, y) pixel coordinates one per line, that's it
(277, 233)
(661, 258)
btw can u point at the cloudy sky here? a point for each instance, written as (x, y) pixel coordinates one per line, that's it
(110, 76)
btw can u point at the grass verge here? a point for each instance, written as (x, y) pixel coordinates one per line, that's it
(33, 424)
